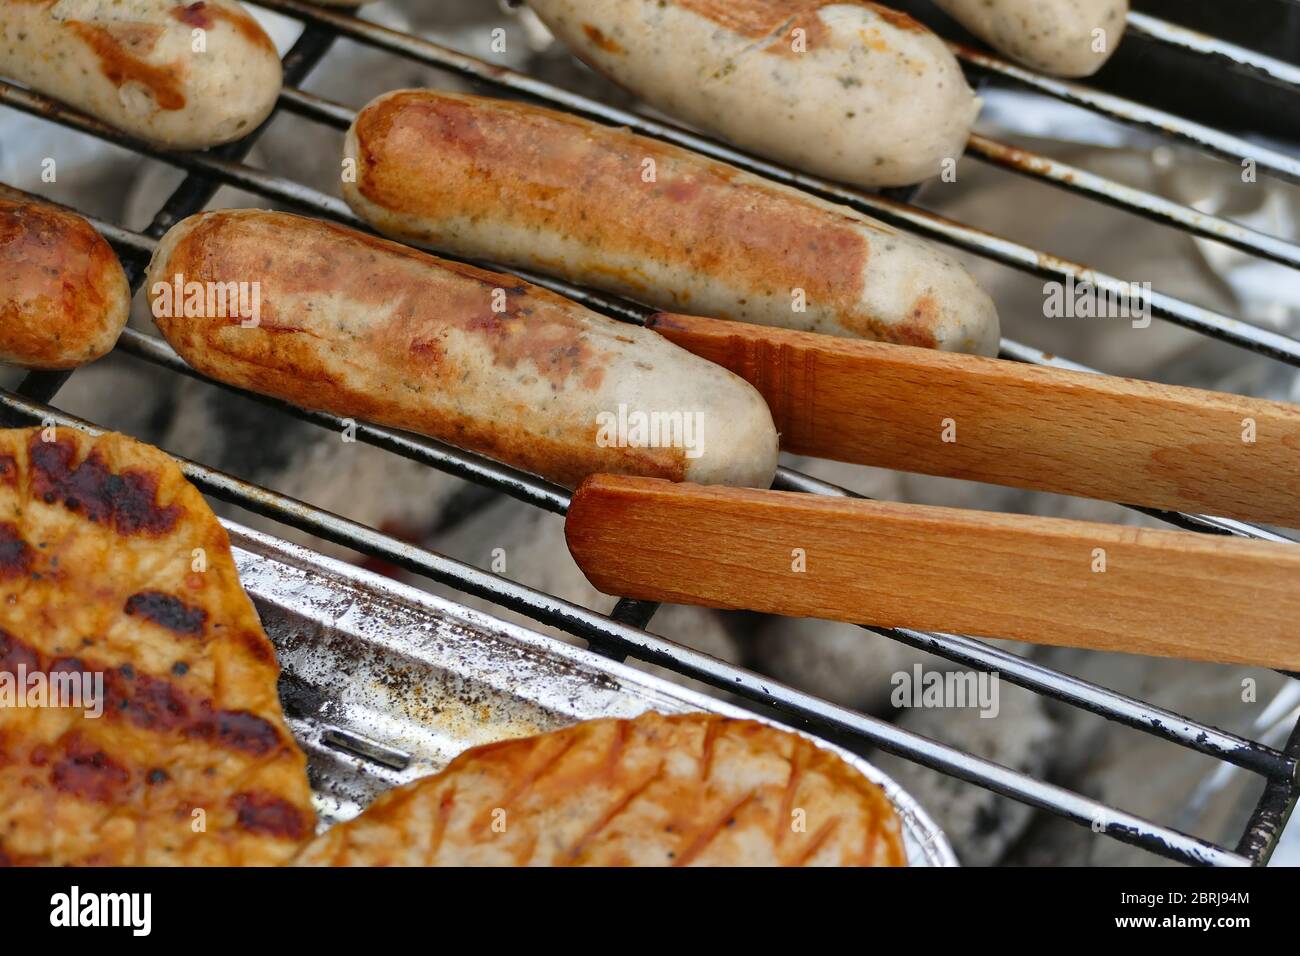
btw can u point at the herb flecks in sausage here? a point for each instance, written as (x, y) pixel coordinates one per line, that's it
(388, 334)
(526, 160)
(1071, 38)
(768, 75)
(698, 237)
(181, 75)
(115, 46)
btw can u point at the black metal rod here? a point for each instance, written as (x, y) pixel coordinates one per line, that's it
(1238, 332)
(1206, 138)
(1279, 767)
(968, 651)
(1271, 812)
(591, 626)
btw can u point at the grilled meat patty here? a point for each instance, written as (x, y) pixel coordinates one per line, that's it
(692, 789)
(115, 574)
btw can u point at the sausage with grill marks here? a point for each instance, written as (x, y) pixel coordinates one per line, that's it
(599, 206)
(367, 328)
(183, 75)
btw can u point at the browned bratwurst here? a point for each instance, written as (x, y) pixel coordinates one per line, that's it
(371, 329)
(538, 189)
(63, 296)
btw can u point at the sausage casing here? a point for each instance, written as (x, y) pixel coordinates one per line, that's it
(367, 328)
(1055, 36)
(63, 296)
(181, 75)
(848, 90)
(599, 206)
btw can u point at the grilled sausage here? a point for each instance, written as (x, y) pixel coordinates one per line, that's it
(367, 328)
(63, 296)
(1054, 36)
(848, 90)
(180, 75)
(537, 189)
(117, 588)
(685, 790)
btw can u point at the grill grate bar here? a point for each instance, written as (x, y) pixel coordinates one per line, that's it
(613, 636)
(529, 488)
(1271, 812)
(533, 490)
(156, 350)
(1197, 318)
(1249, 755)
(1278, 72)
(965, 650)
(979, 242)
(284, 190)
(595, 627)
(1072, 179)
(1206, 138)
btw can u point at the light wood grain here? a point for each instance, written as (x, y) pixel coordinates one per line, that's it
(1167, 593)
(1097, 436)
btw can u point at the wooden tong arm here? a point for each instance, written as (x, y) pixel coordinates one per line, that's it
(1008, 423)
(1045, 580)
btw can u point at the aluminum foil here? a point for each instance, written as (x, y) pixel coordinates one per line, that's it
(383, 683)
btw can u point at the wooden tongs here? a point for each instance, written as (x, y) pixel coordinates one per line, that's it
(1048, 581)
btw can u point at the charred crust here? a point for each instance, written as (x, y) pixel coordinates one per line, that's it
(152, 703)
(128, 501)
(167, 611)
(15, 553)
(268, 814)
(88, 773)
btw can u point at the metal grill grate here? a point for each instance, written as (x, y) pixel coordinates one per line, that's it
(621, 634)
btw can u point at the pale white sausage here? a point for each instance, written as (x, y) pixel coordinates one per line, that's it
(184, 75)
(849, 90)
(1062, 37)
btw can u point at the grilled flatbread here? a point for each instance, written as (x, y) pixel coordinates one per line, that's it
(692, 789)
(113, 568)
